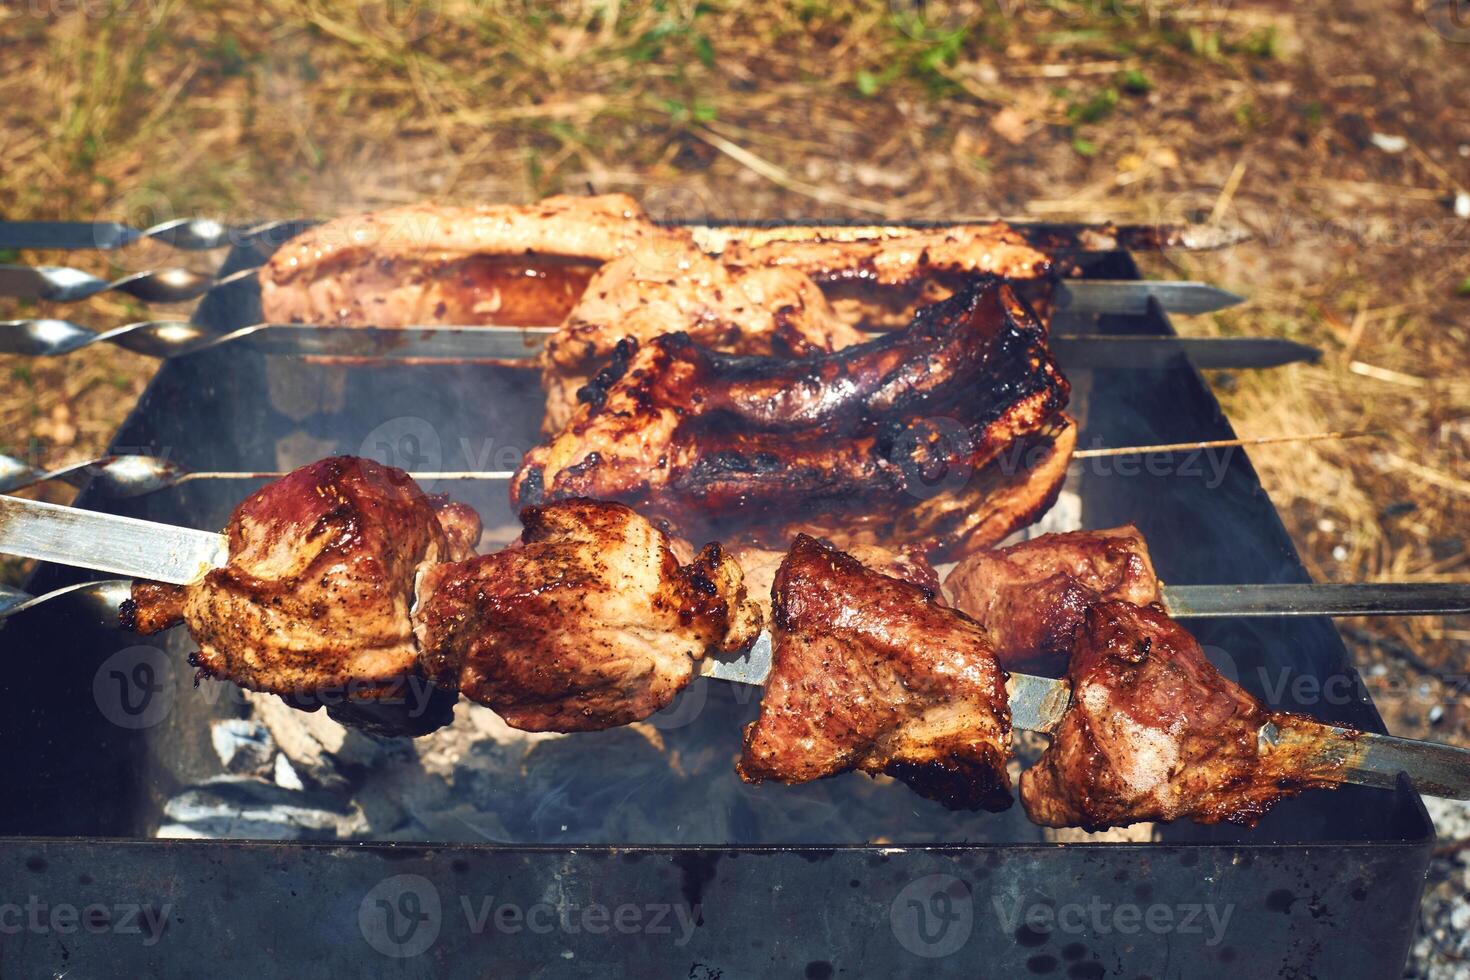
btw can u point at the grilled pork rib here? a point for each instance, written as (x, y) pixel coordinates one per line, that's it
(1155, 732)
(319, 583)
(897, 430)
(1032, 596)
(870, 672)
(588, 623)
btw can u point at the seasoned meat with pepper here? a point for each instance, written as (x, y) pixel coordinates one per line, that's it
(1032, 596)
(589, 622)
(1155, 732)
(319, 582)
(872, 673)
(914, 429)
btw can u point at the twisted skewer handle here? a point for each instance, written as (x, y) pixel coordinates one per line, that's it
(189, 234)
(117, 476)
(61, 284)
(154, 338)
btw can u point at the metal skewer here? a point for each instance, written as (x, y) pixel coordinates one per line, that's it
(175, 338)
(62, 284)
(163, 552)
(199, 234)
(134, 476)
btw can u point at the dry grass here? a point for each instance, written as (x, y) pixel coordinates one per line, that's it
(1261, 113)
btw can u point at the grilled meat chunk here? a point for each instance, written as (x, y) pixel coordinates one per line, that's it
(715, 441)
(893, 256)
(319, 583)
(727, 307)
(871, 673)
(427, 263)
(1155, 732)
(1032, 596)
(759, 566)
(590, 622)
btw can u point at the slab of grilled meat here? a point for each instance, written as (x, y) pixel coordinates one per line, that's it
(1032, 596)
(759, 566)
(915, 431)
(589, 622)
(730, 307)
(426, 264)
(319, 583)
(1154, 733)
(872, 673)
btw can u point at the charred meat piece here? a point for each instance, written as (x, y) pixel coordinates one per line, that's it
(425, 263)
(656, 290)
(588, 623)
(317, 590)
(715, 441)
(1032, 596)
(872, 673)
(1155, 732)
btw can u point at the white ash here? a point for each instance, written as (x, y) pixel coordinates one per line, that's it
(243, 746)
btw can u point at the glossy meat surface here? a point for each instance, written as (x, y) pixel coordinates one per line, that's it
(872, 673)
(1033, 595)
(897, 426)
(759, 566)
(589, 622)
(727, 307)
(316, 593)
(426, 263)
(1155, 732)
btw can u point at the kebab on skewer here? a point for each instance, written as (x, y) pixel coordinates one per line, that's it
(345, 577)
(594, 583)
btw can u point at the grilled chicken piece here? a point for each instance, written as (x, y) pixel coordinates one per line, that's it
(590, 622)
(1032, 596)
(892, 256)
(1155, 732)
(965, 401)
(723, 306)
(426, 263)
(316, 593)
(872, 673)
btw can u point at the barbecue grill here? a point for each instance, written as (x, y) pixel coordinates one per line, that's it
(501, 868)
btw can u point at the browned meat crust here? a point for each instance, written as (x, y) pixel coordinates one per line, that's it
(726, 307)
(873, 673)
(1032, 596)
(589, 623)
(1155, 732)
(759, 566)
(425, 263)
(712, 441)
(893, 257)
(317, 590)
